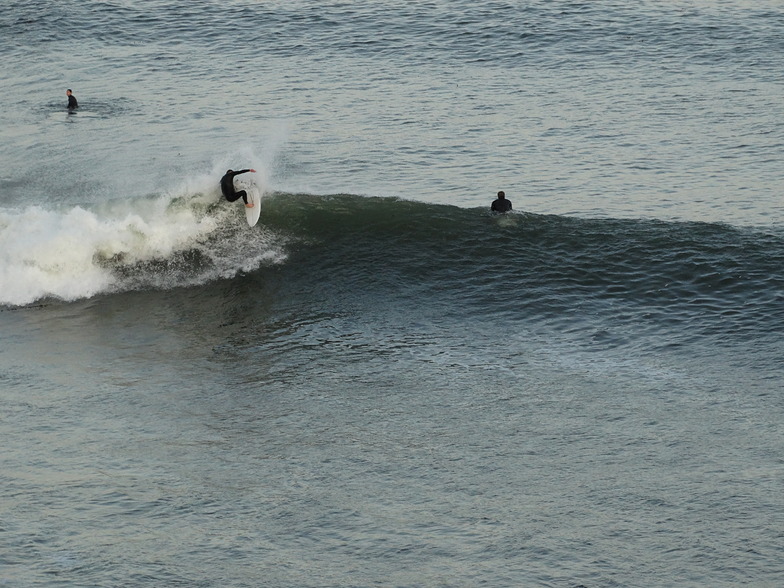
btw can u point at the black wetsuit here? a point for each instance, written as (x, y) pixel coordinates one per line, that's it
(227, 187)
(72, 103)
(501, 205)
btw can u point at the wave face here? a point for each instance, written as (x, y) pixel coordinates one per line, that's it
(703, 278)
(624, 281)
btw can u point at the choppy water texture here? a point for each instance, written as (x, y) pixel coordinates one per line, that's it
(382, 384)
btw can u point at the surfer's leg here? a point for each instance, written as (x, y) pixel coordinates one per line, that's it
(244, 195)
(237, 195)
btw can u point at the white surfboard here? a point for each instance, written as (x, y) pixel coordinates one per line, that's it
(254, 196)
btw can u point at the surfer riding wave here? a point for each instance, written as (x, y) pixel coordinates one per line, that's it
(227, 187)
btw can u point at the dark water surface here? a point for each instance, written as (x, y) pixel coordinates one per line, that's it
(382, 384)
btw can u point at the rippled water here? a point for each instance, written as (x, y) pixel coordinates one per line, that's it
(666, 110)
(382, 384)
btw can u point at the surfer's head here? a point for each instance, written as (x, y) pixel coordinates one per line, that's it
(68, 92)
(228, 171)
(501, 194)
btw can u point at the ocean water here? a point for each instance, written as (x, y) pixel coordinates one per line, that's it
(383, 384)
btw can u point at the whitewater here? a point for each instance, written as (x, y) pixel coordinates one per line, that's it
(76, 252)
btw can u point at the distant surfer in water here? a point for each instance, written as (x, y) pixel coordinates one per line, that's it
(227, 187)
(501, 204)
(72, 103)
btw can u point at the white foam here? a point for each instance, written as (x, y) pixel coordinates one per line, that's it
(51, 253)
(73, 252)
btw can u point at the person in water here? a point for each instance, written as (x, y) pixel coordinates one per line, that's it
(227, 187)
(72, 103)
(501, 204)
